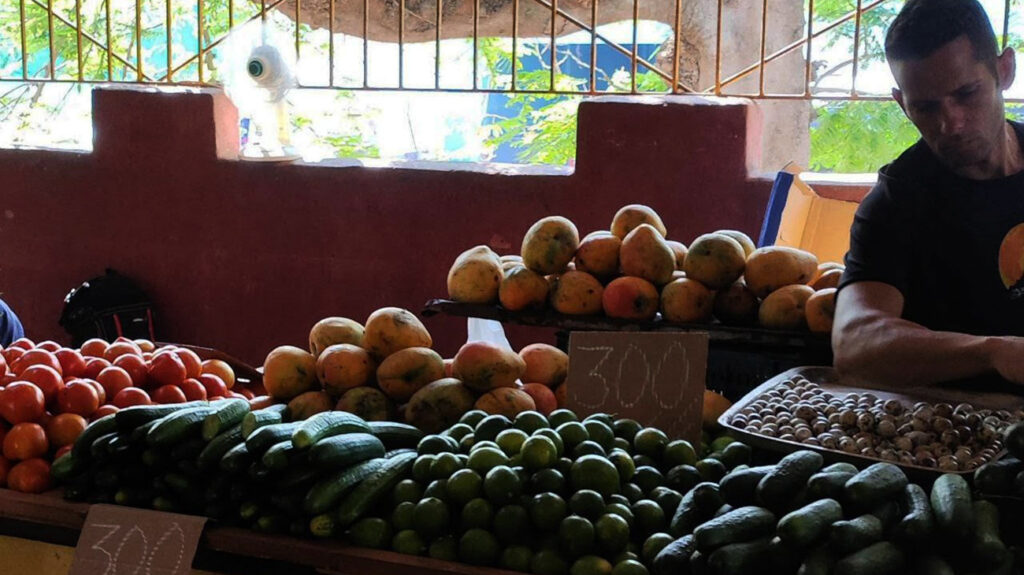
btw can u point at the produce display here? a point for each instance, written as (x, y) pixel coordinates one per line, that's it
(931, 435)
(386, 370)
(49, 393)
(633, 272)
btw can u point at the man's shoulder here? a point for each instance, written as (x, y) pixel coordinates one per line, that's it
(915, 163)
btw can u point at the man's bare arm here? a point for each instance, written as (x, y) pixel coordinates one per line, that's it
(873, 344)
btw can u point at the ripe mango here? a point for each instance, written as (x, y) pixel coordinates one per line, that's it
(736, 305)
(784, 308)
(714, 260)
(367, 402)
(743, 239)
(631, 216)
(576, 293)
(820, 310)
(405, 372)
(598, 255)
(522, 288)
(390, 329)
(475, 275)
(439, 405)
(483, 366)
(679, 249)
(306, 405)
(344, 366)
(550, 244)
(332, 331)
(770, 268)
(506, 401)
(629, 297)
(289, 371)
(646, 254)
(686, 301)
(544, 364)
(829, 279)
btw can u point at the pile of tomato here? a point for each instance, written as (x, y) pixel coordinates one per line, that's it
(50, 393)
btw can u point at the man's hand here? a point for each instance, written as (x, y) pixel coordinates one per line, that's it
(1007, 357)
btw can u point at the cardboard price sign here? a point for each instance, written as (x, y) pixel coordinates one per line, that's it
(654, 378)
(123, 540)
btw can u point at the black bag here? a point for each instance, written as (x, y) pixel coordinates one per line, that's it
(107, 307)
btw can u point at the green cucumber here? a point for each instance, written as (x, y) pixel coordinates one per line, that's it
(882, 558)
(188, 450)
(299, 477)
(210, 456)
(102, 426)
(849, 536)
(138, 435)
(65, 467)
(739, 487)
(178, 426)
(395, 435)
(781, 485)
(327, 424)
(808, 524)
(875, 485)
(322, 525)
(326, 493)
(988, 548)
(261, 417)
(280, 455)
(237, 459)
(227, 414)
(98, 450)
(738, 525)
(373, 488)
(344, 450)
(740, 557)
(261, 439)
(131, 417)
(828, 484)
(951, 502)
(918, 524)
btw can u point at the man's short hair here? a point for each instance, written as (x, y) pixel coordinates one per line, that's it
(924, 26)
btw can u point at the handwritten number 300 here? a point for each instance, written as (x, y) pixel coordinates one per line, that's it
(146, 561)
(652, 375)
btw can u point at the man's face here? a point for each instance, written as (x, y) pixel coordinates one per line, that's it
(955, 101)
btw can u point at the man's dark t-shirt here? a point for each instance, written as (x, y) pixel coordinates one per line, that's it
(954, 247)
(10, 326)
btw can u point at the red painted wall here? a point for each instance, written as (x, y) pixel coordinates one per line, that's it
(244, 257)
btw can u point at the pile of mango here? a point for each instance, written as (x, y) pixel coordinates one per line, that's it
(632, 271)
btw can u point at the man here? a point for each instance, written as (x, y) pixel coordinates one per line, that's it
(10, 326)
(934, 285)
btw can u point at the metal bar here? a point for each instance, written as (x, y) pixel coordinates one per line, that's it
(476, 41)
(298, 19)
(263, 10)
(515, 41)
(78, 38)
(1006, 24)
(330, 43)
(138, 39)
(110, 47)
(169, 17)
(764, 41)
(231, 13)
(810, 52)
(554, 49)
(24, 42)
(636, 26)
(437, 44)
(49, 38)
(366, 43)
(675, 52)
(401, 43)
(856, 49)
(199, 37)
(718, 53)
(593, 45)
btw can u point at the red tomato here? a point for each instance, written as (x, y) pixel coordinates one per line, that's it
(105, 410)
(23, 343)
(3, 363)
(7, 379)
(102, 393)
(30, 476)
(145, 345)
(235, 395)
(11, 355)
(71, 362)
(94, 348)
(93, 367)
(131, 396)
(193, 365)
(50, 346)
(36, 357)
(247, 393)
(25, 441)
(136, 368)
(46, 379)
(214, 385)
(169, 394)
(194, 390)
(167, 369)
(78, 397)
(114, 379)
(62, 451)
(120, 348)
(22, 402)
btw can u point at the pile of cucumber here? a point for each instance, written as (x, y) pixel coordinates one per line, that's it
(801, 517)
(249, 468)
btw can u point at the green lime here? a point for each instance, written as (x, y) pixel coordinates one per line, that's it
(539, 452)
(478, 547)
(612, 533)
(477, 513)
(560, 416)
(473, 417)
(482, 444)
(516, 460)
(438, 488)
(587, 503)
(445, 548)
(547, 480)
(502, 485)
(632, 492)
(512, 524)
(464, 485)
(720, 443)
(511, 441)
(576, 536)
(421, 468)
(409, 542)
(530, 421)
(483, 460)
(372, 532)
(402, 516)
(711, 470)
(624, 463)
(622, 510)
(666, 498)
(595, 472)
(623, 444)
(467, 442)
(682, 478)
(653, 545)
(588, 448)
(553, 436)
(591, 565)
(524, 475)
(490, 426)
(647, 478)
(678, 452)
(458, 431)
(619, 498)
(650, 441)
(516, 558)
(736, 454)
(625, 556)
(641, 460)
(626, 428)
(463, 460)
(564, 466)
(406, 490)
(604, 418)
(548, 562)
(599, 432)
(572, 433)
(630, 567)
(649, 517)
(431, 517)
(433, 444)
(444, 465)
(547, 511)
